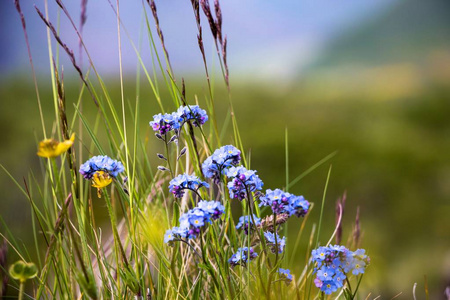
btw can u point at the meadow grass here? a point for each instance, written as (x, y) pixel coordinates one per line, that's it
(128, 258)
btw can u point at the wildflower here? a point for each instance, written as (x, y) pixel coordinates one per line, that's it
(175, 233)
(334, 263)
(270, 238)
(214, 208)
(194, 113)
(100, 180)
(244, 181)
(242, 256)
(220, 160)
(285, 274)
(183, 182)
(244, 222)
(101, 163)
(329, 287)
(192, 221)
(102, 170)
(165, 123)
(282, 202)
(168, 236)
(51, 148)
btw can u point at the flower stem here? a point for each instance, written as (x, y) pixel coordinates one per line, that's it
(21, 288)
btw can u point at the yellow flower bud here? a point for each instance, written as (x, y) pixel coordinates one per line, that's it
(100, 180)
(52, 148)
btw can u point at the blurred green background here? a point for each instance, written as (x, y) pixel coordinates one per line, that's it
(378, 92)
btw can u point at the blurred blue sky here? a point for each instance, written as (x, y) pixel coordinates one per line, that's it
(269, 38)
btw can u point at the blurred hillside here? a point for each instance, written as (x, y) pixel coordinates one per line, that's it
(396, 54)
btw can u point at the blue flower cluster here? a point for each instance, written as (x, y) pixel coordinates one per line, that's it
(166, 122)
(334, 263)
(163, 123)
(242, 256)
(220, 160)
(282, 202)
(193, 113)
(243, 181)
(192, 221)
(270, 239)
(244, 222)
(101, 163)
(185, 182)
(285, 274)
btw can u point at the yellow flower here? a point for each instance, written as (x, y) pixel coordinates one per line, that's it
(52, 148)
(100, 180)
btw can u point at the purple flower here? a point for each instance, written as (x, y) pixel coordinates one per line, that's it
(242, 256)
(243, 181)
(220, 160)
(193, 113)
(244, 222)
(183, 182)
(282, 202)
(165, 123)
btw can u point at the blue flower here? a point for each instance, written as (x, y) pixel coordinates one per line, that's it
(165, 123)
(285, 274)
(244, 222)
(325, 273)
(334, 263)
(175, 233)
(242, 256)
(183, 182)
(180, 232)
(282, 202)
(101, 163)
(270, 238)
(220, 160)
(329, 287)
(243, 181)
(169, 236)
(298, 206)
(193, 220)
(214, 208)
(194, 113)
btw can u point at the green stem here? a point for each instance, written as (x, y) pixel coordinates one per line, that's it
(349, 286)
(357, 286)
(21, 288)
(114, 228)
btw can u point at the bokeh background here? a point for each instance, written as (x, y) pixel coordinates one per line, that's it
(369, 79)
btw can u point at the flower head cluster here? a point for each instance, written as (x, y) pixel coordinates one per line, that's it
(282, 202)
(194, 113)
(242, 256)
(163, 123)
(273, 239)
(333, 265)
(214, 208)
(192, 221)
(101, 163)
(243, 182)
(285, 274)
(220, 160)
(185, 182)
(245, 221)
